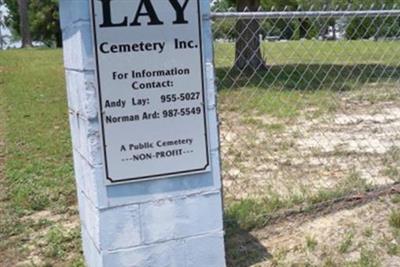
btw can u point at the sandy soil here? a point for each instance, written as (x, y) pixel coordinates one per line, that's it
(357, 144)
(339, 238)
(37, 242)
(360, 139)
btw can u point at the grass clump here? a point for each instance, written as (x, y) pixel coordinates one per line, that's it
(368, 258)
(368, 232)
(395, 199)
(393, 249)
(311, 243)
(59, 242)
(394, 220)
(249, 214)
(346, 243)
(390, 160)
(352, 183)
(330, 262)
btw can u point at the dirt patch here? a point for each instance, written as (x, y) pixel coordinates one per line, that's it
(360, 141)
(341, 237)
(356, 146)
(52, 239)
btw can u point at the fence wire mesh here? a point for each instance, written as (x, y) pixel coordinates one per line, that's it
(309, 104)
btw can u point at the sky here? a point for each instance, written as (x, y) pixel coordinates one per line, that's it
(3, 9)
(6, 31)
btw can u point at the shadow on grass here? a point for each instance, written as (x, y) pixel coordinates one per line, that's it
(310, 77)
(242, 249)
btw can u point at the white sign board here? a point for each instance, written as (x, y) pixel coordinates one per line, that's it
(151, 88)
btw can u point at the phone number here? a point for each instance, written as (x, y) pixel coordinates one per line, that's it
(182, 112)
(180, 97)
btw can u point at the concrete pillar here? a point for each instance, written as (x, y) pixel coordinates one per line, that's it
(173, 221)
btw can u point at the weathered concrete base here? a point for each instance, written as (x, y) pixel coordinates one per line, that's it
(187, 239)
(168, 222)
(197, 251)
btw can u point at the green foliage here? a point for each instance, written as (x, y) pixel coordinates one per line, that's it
(44, 17)
(355, 29)
(12, 20)
(224, 29)
(366, 28)
(2, 20)
(221, 5)
(306, 4)
(43, 20)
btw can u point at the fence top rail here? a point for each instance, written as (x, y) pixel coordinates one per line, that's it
(304, 14)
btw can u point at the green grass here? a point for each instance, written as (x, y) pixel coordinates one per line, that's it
(346, 243)
(59, 242)
(394, 219)
(393, 249)
(280, 104)
(304, 75)
(255, 213)
(38, 169)
(368, 232)
(316, 52)
(311, 243)
(250, 214)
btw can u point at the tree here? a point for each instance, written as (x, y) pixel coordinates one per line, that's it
(248, 48)
(247, 31)
(248, 54)
(220, 5)
(24, 23)
(43, 20)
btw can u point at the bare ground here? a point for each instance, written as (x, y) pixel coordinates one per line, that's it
(50, 243)
(338, 238)
(356, 145)
(304, 155)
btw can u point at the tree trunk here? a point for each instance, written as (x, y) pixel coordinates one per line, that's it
(59, 41)
(304, 28)
(24, 23)
(248, 47)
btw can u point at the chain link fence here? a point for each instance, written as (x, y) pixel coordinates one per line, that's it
(309, 105)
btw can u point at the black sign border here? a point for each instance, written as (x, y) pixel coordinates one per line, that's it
(163, 175)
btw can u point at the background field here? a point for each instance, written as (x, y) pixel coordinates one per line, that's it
(279, 151)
